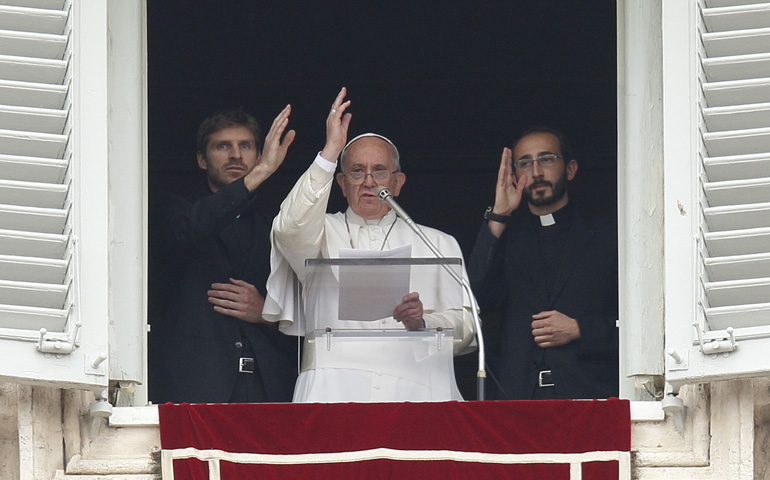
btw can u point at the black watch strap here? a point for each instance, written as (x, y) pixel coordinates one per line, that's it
(489, 215)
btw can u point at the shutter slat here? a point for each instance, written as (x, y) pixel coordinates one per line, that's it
(737, 167)
(737, 92)
(741, 316)
(27, 119)
(738, 292)
(743, 242)
(32, 244)
(33, 219)
(32, 269)
(43, 295)
(26, 69)
(737, 17)
(738, 142)
(37, 45)
(32, 318)
(26, 94)
(718, 3)
(738, 267)
(32, 169)
(24, 19)
(736, 42)
(738, 192)
(737, 117)
(33, 194)
(737, 217)
(44, 4)
(32, 144)
(737, 67)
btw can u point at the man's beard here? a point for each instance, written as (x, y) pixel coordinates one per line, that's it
(558, 190)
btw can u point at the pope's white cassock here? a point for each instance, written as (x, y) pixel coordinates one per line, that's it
(304, 230)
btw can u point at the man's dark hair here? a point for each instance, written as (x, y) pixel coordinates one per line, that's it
(564, 145)
(227, 118)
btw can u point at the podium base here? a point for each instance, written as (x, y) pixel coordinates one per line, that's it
(377, 366)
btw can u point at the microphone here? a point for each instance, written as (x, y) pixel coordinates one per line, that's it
(384, 194)
(386, 197)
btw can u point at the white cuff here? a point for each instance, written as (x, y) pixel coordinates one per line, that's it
(325, 164)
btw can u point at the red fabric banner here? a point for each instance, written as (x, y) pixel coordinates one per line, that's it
(512, 439)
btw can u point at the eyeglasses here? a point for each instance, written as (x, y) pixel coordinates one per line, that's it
(358, 175)
(544, 161)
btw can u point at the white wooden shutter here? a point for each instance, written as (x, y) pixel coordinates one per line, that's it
(45, 337)
(723, 135)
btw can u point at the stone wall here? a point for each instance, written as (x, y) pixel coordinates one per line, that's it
(48, 433)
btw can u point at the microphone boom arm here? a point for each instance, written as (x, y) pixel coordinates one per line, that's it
(384, 194)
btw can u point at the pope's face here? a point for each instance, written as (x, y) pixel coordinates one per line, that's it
(230, 154)
(368, 155)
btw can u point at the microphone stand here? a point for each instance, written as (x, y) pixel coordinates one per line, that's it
(481, 375)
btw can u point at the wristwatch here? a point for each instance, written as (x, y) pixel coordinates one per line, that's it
(489, 215)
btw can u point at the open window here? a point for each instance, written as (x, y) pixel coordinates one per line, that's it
(72, 78)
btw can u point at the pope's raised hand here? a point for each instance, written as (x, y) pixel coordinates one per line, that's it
(337, 123)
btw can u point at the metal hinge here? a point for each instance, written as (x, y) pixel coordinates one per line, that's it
(715, 346)
(57, 346)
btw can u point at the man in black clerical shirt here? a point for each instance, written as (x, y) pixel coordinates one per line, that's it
(209, 342)
(550, 270)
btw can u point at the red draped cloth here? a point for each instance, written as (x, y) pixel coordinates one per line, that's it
(546, 439)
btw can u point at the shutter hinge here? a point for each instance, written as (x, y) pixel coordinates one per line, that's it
(58, 346)
(715, 346)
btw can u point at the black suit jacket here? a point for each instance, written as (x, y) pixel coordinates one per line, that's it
(508, 275)
(211, 239)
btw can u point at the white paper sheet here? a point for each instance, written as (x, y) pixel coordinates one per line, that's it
(368, 292)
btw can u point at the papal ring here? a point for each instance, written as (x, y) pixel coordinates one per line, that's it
(332, 112)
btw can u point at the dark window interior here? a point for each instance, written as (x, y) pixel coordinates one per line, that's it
(451, 83)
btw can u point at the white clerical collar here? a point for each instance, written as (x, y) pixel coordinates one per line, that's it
(547, 220)
(354, 219)
(362, 223)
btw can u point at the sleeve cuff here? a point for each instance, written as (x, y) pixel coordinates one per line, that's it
(325, 164)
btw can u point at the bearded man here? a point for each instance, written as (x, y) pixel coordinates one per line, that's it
(550, 270)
